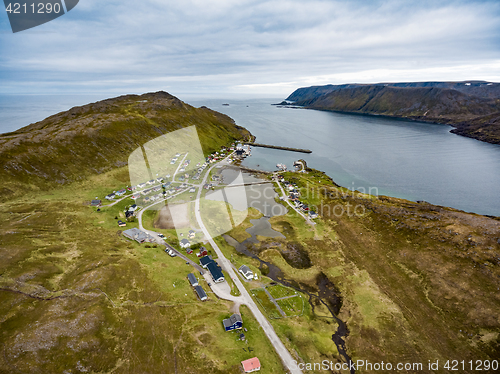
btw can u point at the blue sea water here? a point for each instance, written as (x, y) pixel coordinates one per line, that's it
(412, 160)
(17, 111)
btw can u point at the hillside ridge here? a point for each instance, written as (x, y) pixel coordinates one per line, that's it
(472, 107)
(96, 137)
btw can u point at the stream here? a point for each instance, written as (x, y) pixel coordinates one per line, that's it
(276, 275)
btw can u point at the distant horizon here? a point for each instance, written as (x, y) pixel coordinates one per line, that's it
(228, 94)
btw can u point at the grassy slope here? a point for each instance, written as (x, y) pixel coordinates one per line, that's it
(459, 108)
(418, 282)
(75, 294)
(97, 137)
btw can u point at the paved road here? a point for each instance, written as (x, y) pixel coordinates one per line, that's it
(285, 198)
(245, 298)
(222, 290)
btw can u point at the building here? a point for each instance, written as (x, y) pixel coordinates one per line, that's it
(122, 224)
(95, 203)
(233, 322)
(184, 243)
(137, 235)
(215, 272)
(192, 279)
(313, 214)
(111, 196)
(191, 234)
(246, 272)
(204, 261)
(121, 192)
(252, 364)
(203, 252)
(201, 293)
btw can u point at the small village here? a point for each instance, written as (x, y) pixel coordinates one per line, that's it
(171, 185)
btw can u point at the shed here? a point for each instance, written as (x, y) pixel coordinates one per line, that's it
(201, 293)
(252, 364)
(192, 279)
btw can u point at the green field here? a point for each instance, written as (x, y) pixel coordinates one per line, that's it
(292, 306)
(279, 290)
(263, 300)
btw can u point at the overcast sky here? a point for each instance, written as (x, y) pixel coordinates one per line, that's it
(216, 48)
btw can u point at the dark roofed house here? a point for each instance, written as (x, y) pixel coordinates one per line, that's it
(201, 293)
(215, 272)
(313, 214)
(121, 224)
(95, 203)
(192, 279)
(233, 322)
(204, 261)
(185, 243)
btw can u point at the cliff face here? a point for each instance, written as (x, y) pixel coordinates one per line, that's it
(472, 107)
(97, 137)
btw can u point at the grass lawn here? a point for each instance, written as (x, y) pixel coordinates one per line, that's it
(263, 300)
(279, 290)
(292, 306)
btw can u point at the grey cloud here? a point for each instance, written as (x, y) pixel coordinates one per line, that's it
(237, 45)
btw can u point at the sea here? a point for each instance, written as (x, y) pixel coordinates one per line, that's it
(383, 156)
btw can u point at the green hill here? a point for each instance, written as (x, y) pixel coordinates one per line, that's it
(98, 137)
(464, 105)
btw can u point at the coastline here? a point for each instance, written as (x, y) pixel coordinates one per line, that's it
(458, 127)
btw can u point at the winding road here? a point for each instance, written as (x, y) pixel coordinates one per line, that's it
(222, 290)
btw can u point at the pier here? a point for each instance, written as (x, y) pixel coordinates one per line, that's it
(279, 147)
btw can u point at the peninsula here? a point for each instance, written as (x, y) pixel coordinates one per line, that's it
(91, 282)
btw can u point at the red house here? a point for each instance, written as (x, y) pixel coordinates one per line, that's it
(252, 364)
(203, 252)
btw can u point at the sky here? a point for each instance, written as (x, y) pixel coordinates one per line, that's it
(240, 48)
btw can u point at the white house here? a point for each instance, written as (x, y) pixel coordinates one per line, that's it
(246, 272)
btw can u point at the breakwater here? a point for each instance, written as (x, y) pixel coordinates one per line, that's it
(279, 147)
(254, 170)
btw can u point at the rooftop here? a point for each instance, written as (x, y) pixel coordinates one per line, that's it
(251, 364)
